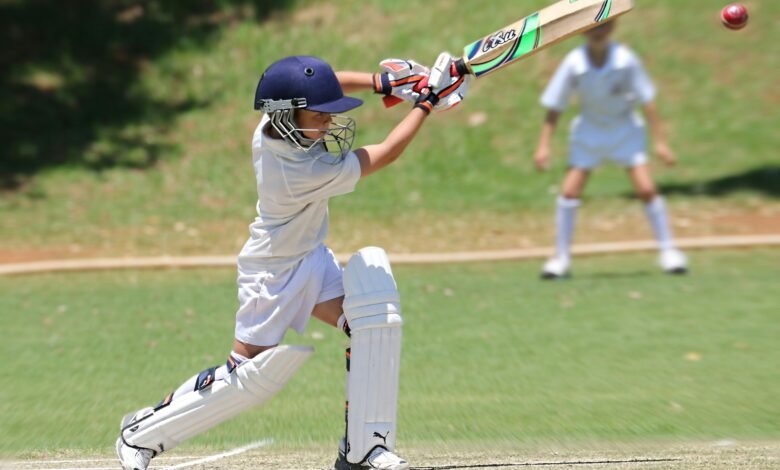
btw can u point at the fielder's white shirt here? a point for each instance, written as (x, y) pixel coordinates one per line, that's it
(608, 95)
(293, 189)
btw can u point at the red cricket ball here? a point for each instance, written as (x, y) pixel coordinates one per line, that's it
(734, 16)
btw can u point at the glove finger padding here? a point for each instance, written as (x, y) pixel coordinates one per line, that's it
(451, 89)
(401, 78)
(456, 92)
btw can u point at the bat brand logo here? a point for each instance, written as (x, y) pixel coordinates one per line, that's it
(501, 37)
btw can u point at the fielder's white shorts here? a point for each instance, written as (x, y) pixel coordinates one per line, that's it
(590, 144)
(269, 303)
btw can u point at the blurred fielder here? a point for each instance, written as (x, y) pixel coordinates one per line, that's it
(302, 156)
(609, 81)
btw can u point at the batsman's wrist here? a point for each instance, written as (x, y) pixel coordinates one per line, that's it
(425, 106)
(382, 84)
(427, 102)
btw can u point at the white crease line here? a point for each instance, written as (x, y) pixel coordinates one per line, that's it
(212, 458)
(73, 468)
(239, 450)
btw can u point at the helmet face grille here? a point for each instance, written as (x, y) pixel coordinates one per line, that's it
(340, 137)
(337, 141)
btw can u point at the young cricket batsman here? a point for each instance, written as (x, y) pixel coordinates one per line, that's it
(610, 82)
(302, 155)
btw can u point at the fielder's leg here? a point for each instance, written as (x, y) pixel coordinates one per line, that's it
(671, 259)
(565, 221)
(373, 313)
(253, 382)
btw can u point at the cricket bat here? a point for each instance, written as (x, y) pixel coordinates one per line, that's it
(526, 37)
(529, 35)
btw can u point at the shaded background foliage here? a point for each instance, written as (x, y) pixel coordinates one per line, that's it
(68, 73)
(126, 126)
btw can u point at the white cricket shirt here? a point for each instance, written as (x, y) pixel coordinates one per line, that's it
(293, 189)
(608, 95)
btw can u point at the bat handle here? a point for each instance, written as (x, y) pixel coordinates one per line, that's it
(459, 68)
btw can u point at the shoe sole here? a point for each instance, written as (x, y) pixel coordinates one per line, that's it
(342, 464)
(677, 271)
(554, 277)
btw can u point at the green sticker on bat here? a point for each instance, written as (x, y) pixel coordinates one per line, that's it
(604, 12)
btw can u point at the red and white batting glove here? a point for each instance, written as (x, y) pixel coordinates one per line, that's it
(445, 88)
(399, 79)
(446, 83)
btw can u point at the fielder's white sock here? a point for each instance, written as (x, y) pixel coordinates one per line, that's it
(656, 215)
(565, 220)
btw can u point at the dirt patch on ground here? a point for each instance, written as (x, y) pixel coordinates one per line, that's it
(21, 255)
(417, 232)
(716, 455)
(491, 231)
(726, 454)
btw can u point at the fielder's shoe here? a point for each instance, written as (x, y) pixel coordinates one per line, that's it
(556, 267)
(379, 458)
(673, 261)
(130, 457)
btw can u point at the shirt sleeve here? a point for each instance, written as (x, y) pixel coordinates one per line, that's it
(641, 83)
(558, 92)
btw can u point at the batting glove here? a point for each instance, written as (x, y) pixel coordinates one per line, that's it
(447, 83)
(427, 100)
(400, 80)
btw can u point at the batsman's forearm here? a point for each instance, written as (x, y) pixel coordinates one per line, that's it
(355, 81)
(375, 157)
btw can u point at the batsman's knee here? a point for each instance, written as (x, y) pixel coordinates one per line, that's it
(214, 400)
(371, 295)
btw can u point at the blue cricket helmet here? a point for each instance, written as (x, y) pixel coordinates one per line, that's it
(300, 78)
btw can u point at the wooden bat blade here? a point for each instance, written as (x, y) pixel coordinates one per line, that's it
(544, 28)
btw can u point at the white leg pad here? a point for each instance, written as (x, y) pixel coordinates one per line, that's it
(372, 306)
(252, 383)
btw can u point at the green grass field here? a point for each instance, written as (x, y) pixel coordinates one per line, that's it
(131, 137)
(492, 357)
(161, 164)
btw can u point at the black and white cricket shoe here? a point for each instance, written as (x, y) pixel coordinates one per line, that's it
(673, 261)
(132, 458)
(556, 267)
(379, 458)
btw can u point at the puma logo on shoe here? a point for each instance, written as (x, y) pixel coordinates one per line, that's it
(384, 438)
